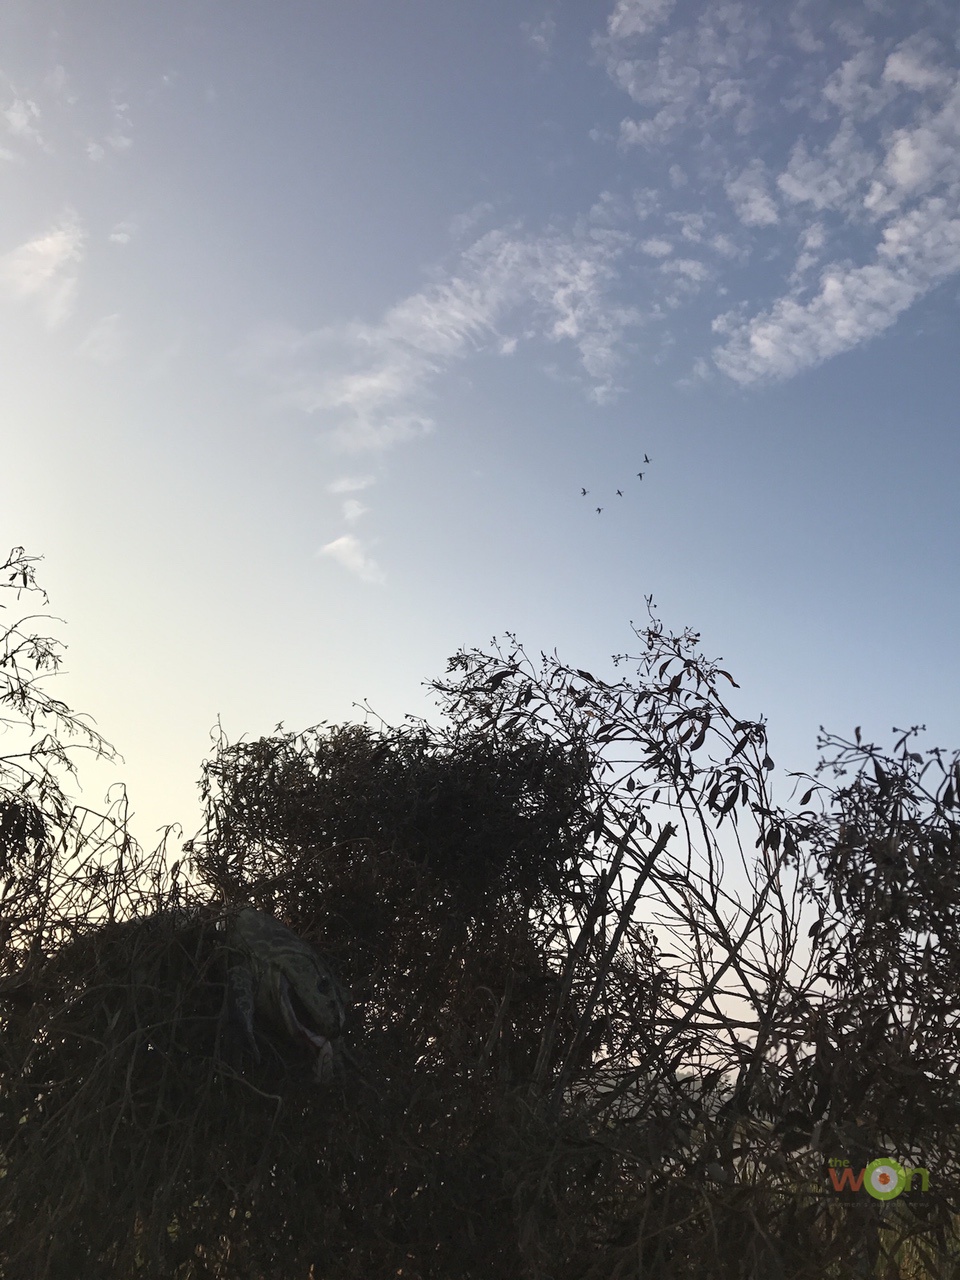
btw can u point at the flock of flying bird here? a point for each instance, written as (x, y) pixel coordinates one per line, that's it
(584, 492)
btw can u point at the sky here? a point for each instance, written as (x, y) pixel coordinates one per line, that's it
(315, 320)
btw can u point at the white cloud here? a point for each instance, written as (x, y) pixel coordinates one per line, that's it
(104, 343)
(725, 246)
(646, 201)
(634, 18)
(540, 35)
(812, 240)
(919, 158)
(354, 374)
(21, 117)
(464, 223)
(813, 237)
(853, 304)
(749, 193)
(122, 233)
(349, 552)
(120, 138)
(649, 133)
(689, 268)
(692, 78)
(44, 270)
(686, 277)
(833, 177)
(801, 32)
(353, 509)
(609, 209)
(850, 307)
(692, 225)
(860, 138)
(350, 484)
(731, 98)
(912, 157)
(373, 378)
(850, 89)
(908, 65)
(924, 243)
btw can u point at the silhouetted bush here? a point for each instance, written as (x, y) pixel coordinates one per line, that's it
(613, 1008)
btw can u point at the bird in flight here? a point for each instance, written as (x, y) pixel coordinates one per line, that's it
(640, 474)
(584, 492)
(599, 509)
(645, 458)
(619, 493)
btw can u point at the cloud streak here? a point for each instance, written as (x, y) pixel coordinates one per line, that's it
(371, 381)
(349, 552)
(43, 271)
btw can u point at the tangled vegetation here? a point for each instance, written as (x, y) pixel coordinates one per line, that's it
(614, 1010)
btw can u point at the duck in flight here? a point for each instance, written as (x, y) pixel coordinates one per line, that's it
(584, 491)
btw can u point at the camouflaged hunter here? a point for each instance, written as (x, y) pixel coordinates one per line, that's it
(279, 978)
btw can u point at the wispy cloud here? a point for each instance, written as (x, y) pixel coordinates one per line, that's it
(350, 484)
(44, 270)
(696, 73)
(852, 304)
(104, 343)
(122, 233)
(464, 223)
(20, 117)
(915, 64)
(120, 137)
(353, 509)
(749, 194)
(349, 552)
(818, 147)
(371, 380)
(637, 17)
(540, 36)
(919, 158)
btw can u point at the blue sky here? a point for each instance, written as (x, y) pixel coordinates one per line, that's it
(316, 320)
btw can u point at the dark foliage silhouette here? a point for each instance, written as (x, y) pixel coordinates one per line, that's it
(613, 1007)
